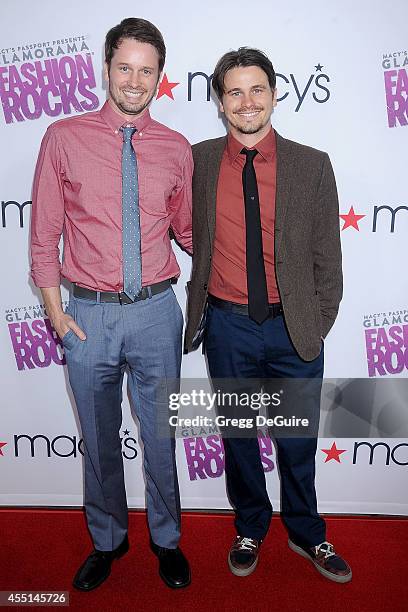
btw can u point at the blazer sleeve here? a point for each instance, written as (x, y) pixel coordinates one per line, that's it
(327, 256)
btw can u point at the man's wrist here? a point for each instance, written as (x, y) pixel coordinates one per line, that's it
(54, 313)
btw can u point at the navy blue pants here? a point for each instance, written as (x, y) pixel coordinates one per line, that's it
(237, 347)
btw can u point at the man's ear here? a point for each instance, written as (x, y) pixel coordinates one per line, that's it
(106, 72)
(159, 81)
(221, 107)
(275, 97)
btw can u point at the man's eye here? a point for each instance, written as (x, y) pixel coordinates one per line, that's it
(123, 68)
(146, 71)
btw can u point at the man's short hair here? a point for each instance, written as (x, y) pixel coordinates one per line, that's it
(244, 57)
(137, 29)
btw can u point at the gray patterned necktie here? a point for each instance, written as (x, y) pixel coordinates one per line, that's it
(132, 260)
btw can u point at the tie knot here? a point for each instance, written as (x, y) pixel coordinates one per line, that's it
(250, 154)
(128, 133)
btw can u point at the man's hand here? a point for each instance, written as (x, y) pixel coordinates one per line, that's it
(61, 322)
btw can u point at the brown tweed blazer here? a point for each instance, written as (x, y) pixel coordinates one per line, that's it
(307, 240)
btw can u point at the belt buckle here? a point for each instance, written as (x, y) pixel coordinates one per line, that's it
(276, 310)
(124, 299)
(143, 294)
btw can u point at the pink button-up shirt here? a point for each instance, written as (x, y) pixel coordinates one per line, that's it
(77, 192)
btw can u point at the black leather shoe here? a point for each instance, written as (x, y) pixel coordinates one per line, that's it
(97, 567)
(173, 566)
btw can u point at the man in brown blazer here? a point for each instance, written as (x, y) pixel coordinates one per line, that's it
(265, 290)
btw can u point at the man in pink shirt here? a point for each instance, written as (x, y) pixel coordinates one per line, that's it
(113, 183)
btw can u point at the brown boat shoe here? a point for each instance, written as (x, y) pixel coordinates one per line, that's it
(325, 560)
(243, 556)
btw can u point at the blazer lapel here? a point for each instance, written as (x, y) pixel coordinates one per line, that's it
(284, 178)
(213, 171)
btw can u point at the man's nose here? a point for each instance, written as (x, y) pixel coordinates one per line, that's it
(247, 99)
(133, 79)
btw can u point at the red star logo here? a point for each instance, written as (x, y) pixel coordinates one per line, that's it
(351, 219)
(1, 446)
(165, 88)
(333, 453)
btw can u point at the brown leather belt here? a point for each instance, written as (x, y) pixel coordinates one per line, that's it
(120, 298)
(275, 310)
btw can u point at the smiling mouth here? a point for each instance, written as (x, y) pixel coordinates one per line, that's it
(133, 94)
(248, 114)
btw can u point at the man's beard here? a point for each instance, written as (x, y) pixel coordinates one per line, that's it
(250, 128)
(127, 107)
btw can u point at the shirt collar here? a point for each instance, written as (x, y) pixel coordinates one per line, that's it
(266, 147)
(115, 121)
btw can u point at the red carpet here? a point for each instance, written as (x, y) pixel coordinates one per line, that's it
(41, 550)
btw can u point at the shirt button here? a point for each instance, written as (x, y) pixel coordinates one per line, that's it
(205, 285)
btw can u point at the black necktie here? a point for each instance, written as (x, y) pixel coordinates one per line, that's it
(258, 308)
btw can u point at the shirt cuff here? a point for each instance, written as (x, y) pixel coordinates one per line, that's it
(46, 278)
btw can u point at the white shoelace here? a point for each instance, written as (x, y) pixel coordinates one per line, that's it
(326, 548)
(246, 544)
